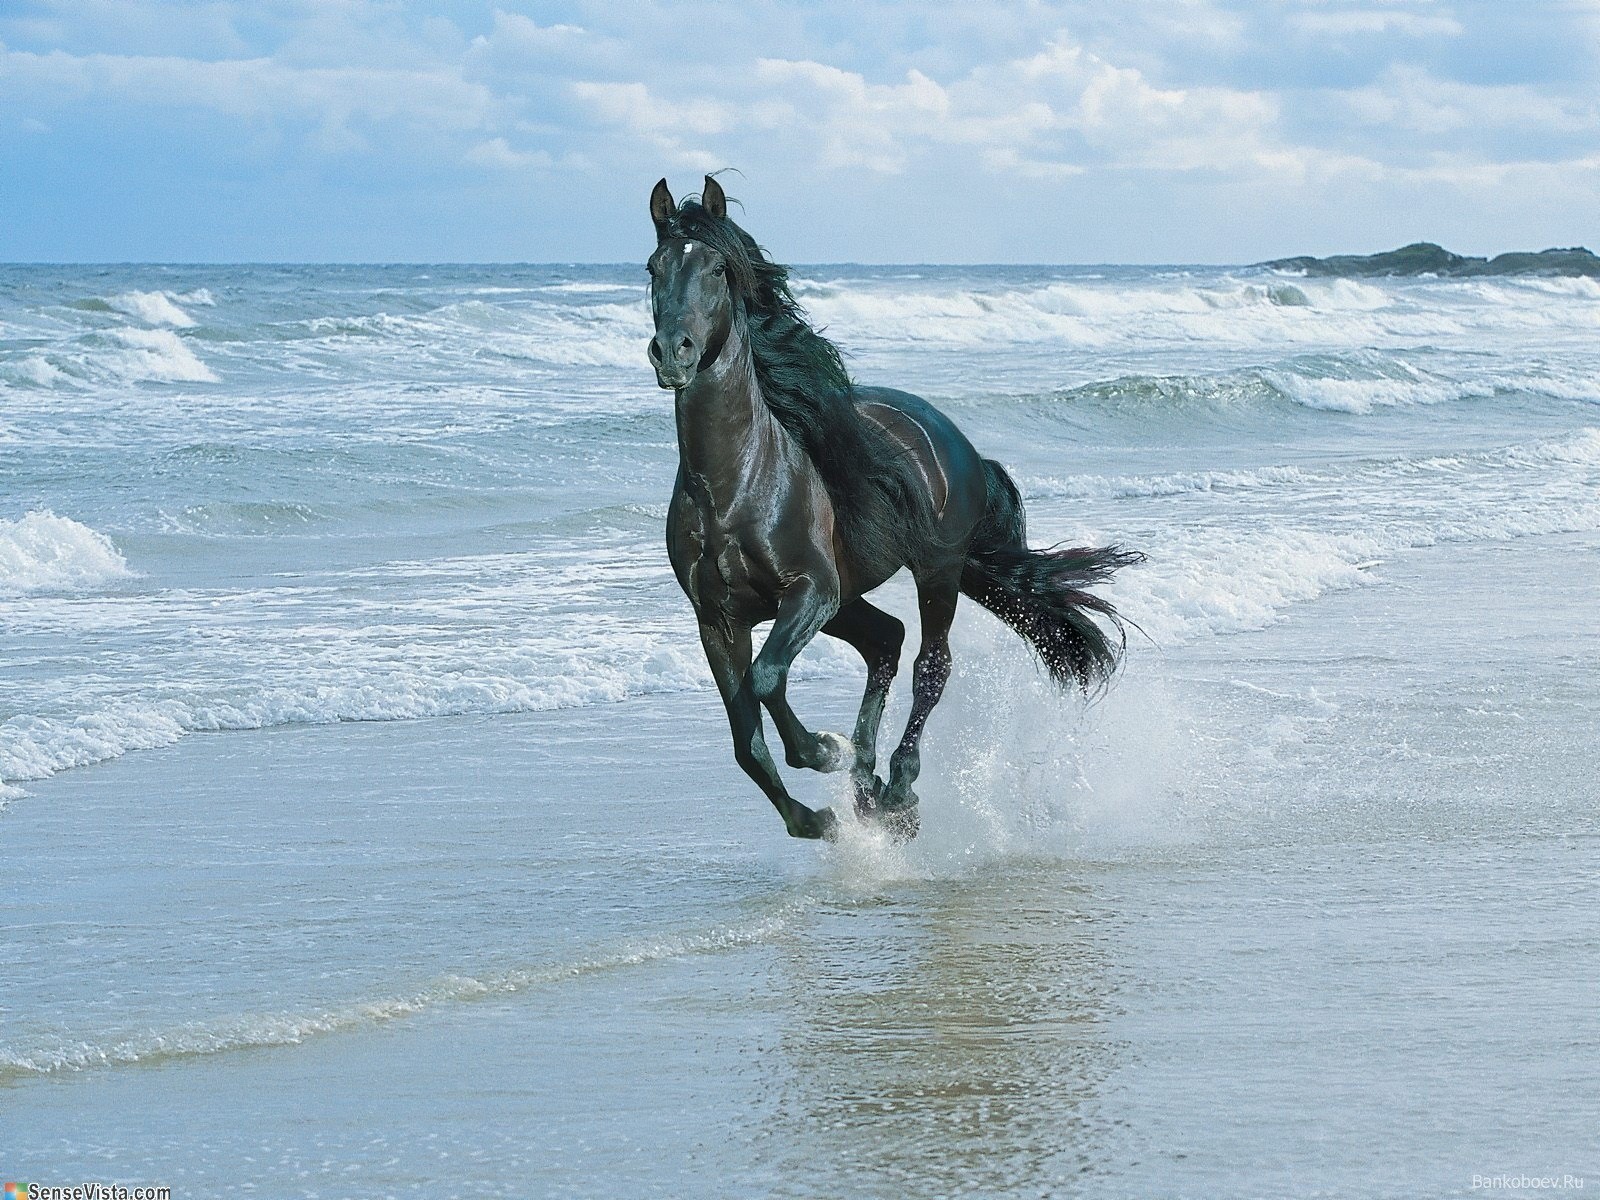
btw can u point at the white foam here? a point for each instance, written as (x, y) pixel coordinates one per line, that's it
(1177, 483)
(605, 324)
(1216, 578)
(1580, 448)
(41, 552)
(574, 288)
(1101, 314)
(158, 355)
(34, 369)
(597, 335)
(491, 633)
(155, 308)
(261, 1030)
(1361, 396)
(502, 643)
(1220, 581)
(1019, 771)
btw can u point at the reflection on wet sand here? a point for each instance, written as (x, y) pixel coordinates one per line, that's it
(955, 1044)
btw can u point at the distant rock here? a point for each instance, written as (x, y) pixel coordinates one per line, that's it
(1574, 260)
(1425, 258)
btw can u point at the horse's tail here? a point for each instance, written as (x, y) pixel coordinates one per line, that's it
(1040, 593)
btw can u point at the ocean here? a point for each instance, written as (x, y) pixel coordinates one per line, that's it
(371, 824)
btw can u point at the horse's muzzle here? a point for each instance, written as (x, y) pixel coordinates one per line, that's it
(675, 372)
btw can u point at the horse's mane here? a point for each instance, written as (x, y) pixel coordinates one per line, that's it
(879, 499)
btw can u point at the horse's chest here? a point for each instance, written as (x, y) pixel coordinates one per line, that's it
(723, 567)
(727, 578)
(722, 575)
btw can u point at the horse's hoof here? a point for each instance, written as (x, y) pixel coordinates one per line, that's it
(835, 752)
(869, 791)
(896, 797)
(816, 825)
(902, 822)
(897, 812)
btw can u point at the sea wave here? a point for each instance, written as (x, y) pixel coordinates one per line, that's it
(1581, 448)
(1106, 315)
(594, 335)
(153, 308)
(41, 552)
(111, 356)
(1218, 579)
(152, 354)
(229, 674)
(1354, 383)
(249, 1031)
(579, 325)
(493, 634)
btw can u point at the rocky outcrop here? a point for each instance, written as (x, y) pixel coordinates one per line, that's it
(1425, 258)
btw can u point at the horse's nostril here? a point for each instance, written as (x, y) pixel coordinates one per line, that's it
(686, 351)
(655, 351)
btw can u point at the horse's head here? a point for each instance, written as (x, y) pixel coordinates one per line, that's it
(689, 290)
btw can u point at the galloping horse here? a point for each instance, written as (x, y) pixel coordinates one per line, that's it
(798, 492)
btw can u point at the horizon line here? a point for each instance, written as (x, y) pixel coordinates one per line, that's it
(512, 262)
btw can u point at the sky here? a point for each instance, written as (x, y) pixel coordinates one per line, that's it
(1085, 131)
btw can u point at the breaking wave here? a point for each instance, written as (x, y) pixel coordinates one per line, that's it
(261, 1030)
(41, 552)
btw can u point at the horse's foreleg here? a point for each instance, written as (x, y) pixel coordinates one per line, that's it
(877, 637)
(806, 607)
(728, 654)
(936, 603)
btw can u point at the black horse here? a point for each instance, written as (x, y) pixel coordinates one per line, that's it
(798, 492)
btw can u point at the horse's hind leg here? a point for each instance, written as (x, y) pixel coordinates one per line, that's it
(936, 603)
(877, 637)
(805, 608)
(728, 654)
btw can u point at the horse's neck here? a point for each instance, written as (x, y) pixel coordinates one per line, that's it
(725, 429)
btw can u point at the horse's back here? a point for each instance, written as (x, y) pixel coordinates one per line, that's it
(948, 462)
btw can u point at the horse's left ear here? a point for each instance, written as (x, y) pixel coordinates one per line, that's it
(713, 201)
(662, 208)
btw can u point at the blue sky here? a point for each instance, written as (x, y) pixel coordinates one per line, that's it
(863, 130)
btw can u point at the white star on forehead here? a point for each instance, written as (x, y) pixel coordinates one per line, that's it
(688, 246)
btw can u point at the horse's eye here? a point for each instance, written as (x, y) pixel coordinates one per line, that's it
(720, 269)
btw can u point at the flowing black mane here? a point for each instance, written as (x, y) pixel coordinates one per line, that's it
(878, 498)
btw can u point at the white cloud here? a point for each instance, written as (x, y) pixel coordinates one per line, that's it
(675, 131)
(1410, 98)
(852, 123)
(257, 88)
(518, 45)
(1059, 112)
(634, 106)
(497, 154)
(1375, 21)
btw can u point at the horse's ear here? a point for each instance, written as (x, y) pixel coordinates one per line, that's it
(662, 207)
(713, 200)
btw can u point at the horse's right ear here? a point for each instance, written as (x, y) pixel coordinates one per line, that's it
(662, 207)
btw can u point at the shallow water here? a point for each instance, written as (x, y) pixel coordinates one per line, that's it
(378, 829)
